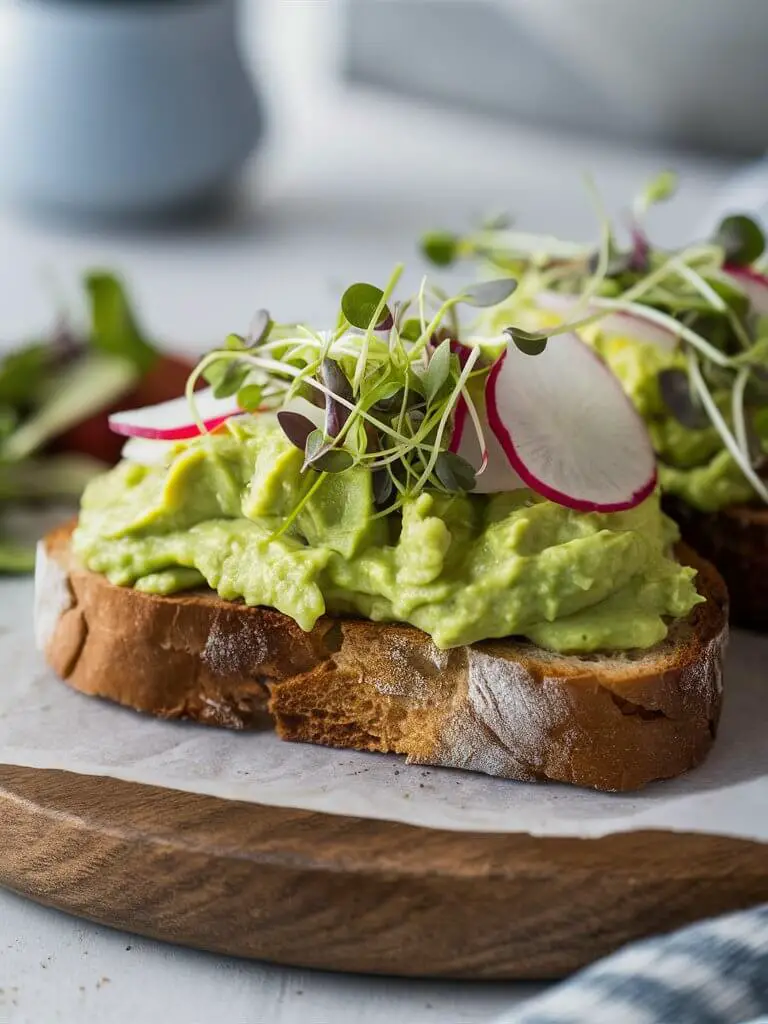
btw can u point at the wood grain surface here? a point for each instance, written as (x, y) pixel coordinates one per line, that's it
(315, 890)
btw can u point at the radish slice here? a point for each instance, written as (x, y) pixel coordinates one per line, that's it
(495, 474)
(568, 429)
(636, 328)
(172, 421)
(753, 284)
(147, 453)
(619, 324)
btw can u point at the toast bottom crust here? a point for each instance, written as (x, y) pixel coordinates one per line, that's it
(505, 708)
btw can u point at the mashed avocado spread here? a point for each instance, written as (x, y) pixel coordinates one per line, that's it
(694, 465)
(461, 567)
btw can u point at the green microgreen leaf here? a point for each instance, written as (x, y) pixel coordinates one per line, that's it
(741, 238)
(658, 190)
(260, 329)
(320, 455)
(359, 304)
(440, 247)
(315, 445)
(438, 369)
(489, 293)
(234, 343)
(411, 330)
(415, 422)
(249, 397)
(214, 372)
(415, 377)
(232, 380)
(385, 397)
(454, 472)
(530, 344)
(336, 460)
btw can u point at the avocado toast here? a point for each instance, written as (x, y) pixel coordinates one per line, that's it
(392, 536)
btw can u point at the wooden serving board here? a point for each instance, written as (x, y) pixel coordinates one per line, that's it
(326, 891)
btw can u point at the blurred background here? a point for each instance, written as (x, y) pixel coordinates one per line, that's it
(219, 156)
(370, 121)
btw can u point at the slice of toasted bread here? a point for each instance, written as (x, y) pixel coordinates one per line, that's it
(735, 540)
(506, 708)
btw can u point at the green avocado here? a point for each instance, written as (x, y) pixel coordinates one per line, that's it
(694, 465)
(463, 568)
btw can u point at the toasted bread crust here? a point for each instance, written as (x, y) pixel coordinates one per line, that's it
(736, 541)
(506, 708)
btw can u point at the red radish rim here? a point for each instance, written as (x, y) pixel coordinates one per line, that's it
(462, 412)
(459, 423)
(173, 420)
(750, 272)
(184, 433)
(462, 409)
(753, 283)
(545, 490)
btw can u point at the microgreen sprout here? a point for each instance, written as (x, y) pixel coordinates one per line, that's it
(741, 239)
(658, 190)
(692, 294)
(380, 392)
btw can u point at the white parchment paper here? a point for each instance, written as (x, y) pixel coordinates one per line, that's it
(44, 724)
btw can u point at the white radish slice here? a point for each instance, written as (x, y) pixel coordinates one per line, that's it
(568, 429)
(495, 474)
(147, 453)
(173, 421)
(753, 284)
(619, 323)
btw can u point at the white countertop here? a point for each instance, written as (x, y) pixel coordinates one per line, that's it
(56, 969)
(344, 187)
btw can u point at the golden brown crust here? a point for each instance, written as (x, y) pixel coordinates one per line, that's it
(736, 541)
(506, 708)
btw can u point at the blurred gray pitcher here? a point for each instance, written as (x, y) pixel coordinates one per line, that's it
(121, 108)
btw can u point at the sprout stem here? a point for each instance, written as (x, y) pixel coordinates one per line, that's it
(721, 427)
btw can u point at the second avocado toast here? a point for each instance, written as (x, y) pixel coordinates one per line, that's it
(686, 332)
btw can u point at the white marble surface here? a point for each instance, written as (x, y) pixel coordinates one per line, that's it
(343, 189)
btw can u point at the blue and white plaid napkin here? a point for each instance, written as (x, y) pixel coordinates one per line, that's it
(711, 973)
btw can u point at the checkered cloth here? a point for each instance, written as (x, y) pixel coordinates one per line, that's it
(711, 973)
